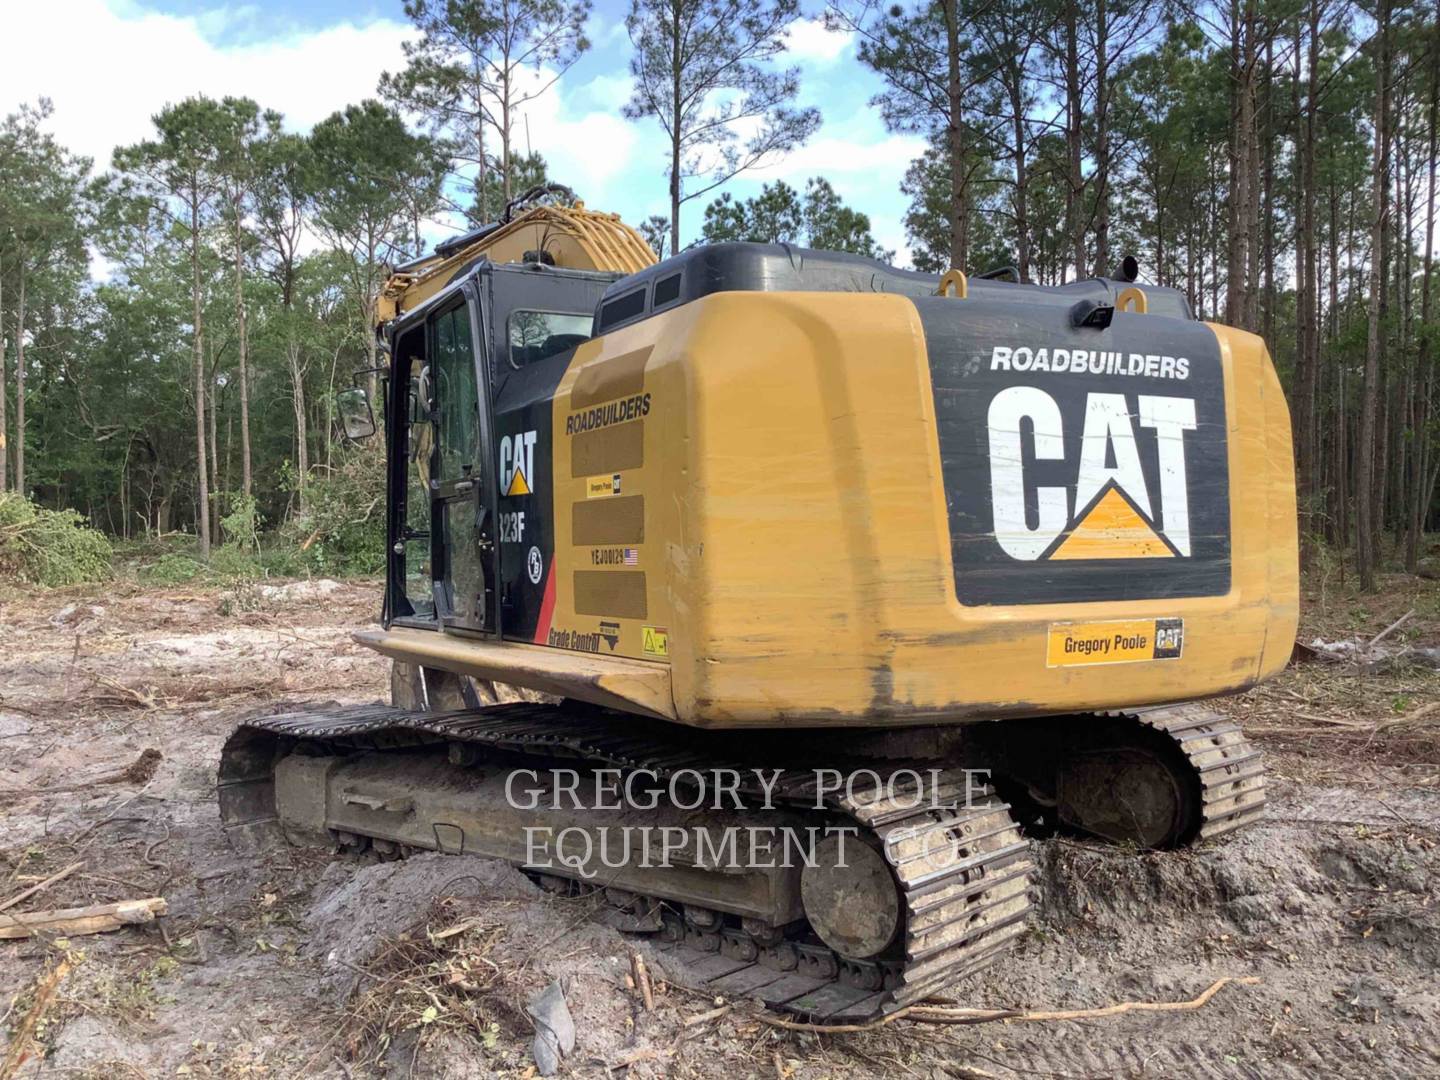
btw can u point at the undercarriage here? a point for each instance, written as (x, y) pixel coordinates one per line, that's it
(836, 888)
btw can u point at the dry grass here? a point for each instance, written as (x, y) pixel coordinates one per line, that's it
(433, 980)
(104, 696)
(1327, 721)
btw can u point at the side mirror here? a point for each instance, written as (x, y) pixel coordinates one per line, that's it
(357, 420)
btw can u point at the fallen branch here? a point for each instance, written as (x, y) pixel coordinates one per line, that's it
(1406, 718)
(1388, 630)
(936, 1014)
(706, 1017)
(642, 980)
(18, 1054)
(140, 771)
(72, 922)
(39, 885)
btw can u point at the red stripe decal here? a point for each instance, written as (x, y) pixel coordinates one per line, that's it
(547, 609)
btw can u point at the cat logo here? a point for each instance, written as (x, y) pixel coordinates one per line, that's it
(517, 463)
(1108, 512)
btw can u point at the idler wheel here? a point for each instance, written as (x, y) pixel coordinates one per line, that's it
(854, 907)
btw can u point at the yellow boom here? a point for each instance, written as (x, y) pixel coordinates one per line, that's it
(567, 236)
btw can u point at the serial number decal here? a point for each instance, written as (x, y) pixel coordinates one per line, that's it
(1117, 641)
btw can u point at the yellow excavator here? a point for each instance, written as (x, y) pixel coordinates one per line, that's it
(762, 541)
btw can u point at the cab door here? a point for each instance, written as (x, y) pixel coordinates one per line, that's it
(462, 479)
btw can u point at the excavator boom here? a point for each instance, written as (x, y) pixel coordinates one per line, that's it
(560, 234)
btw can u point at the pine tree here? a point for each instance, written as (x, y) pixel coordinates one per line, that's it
(703, 70)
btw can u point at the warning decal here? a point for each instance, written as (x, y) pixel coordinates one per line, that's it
(655, 641)
(1120, 641)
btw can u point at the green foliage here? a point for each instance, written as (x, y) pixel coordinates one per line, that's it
(342, 530)
(370, 178)
(927, 219)
(172, 568)
(49, 547)
(526, 172)
(241, 526)
(656, 231)
(779, 214)
(465, 79)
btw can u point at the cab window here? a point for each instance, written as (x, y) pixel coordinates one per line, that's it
(536, 335)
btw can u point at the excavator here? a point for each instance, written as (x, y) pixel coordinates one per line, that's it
(760, 542)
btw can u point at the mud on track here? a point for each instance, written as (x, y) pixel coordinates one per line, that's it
(281, 963)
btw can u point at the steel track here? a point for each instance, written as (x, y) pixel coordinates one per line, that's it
(962, 867)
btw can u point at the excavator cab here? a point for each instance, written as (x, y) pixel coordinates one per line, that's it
(481, 356)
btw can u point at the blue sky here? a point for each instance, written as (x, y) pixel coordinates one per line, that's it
(109, 64)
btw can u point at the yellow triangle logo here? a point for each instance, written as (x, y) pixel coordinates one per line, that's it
(518, 486)
(1112, 529)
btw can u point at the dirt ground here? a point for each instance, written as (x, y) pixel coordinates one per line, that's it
(284, 963)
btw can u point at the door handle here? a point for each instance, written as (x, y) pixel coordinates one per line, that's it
(462, 486)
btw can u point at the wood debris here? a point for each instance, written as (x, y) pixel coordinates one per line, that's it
(71, 922)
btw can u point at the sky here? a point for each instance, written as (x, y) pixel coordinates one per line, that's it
(108, 65)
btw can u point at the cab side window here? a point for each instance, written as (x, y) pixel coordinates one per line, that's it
(452, 366)
(538, 335)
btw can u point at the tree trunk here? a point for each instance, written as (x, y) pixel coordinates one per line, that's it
(477, 97)
(216, 480)
(1022, 197)
(202, 509)
(1242, 134)
(4, 450)
(20, 381)
(1074, 108)
(330, 412)
(1424, 363)
(676, 119)
(1307, 360)
(675, 193)
(1340, 489)
(240, 327)
(505, 180)
(1366, 478)
(955, 137)
(1266, 150)
(1102, 143)
(302, 437)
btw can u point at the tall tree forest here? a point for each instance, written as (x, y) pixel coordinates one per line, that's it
(176, 322)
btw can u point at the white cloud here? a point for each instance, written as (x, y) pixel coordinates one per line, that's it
(808, 40)
(829, 155)
(109, 67)
(585, 148)
(605, 91)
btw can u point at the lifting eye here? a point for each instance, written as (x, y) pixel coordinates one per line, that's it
(1133, 299)
(953, 283)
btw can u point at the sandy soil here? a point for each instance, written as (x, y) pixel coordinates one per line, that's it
(284, 963)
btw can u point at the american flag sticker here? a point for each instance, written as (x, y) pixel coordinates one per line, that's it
(632, 556)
